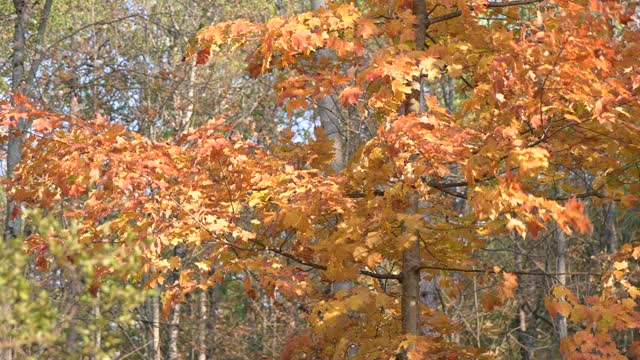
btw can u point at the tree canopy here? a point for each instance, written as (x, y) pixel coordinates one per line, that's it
(488, 120)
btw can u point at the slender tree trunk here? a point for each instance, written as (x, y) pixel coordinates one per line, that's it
(411, 256)
(329, 112)
(561, 241)
(14, 144)
(203, 311)
(155, 332)
(97, 343)
(280, 7)
(73, 336)
(213, 307)
(273, 318)
(22, 82)
(187, 115)
(526, 326)
(523, 338)
(476, 307)
(39, 50)
(330, 119)
(410, 300)
(610, 228)
(410, 289)
(13, 222)
(174, 332)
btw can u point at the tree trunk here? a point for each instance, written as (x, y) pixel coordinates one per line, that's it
(411, 256)
(97, 342)
(213, 306)
(21, 82)
(187, 114)
(610, 228)
(14, 146)
(203, 310)
(561, 269)
(330, 116)
(174, 332)
(329, 112)
(39, 51)
(410, 289)
(526, 330)
(74, 288)
(155, 328)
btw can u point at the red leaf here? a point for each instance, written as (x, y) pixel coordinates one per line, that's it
(350, 95)
(202, 56)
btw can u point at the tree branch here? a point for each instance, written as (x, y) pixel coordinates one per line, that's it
(445, 17)
(320, 266)
(496, 4)
(42, 31)
(492, 4)
(491, 271)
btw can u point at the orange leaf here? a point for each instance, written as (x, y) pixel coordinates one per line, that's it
(350, 95)
(366, 28)
(42, 124)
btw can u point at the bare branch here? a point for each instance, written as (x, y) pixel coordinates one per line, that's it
(42, 30)
(491, 271)
(492, 4)
(320, 266)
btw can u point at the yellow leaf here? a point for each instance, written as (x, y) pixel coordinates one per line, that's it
(295, 219)
(400, 87)
(455, 70)
(621, 265)
(530, 161)
(359, 252)
(202, 266)
(174, 262)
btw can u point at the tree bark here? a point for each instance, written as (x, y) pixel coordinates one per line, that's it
(526, 330)
(610, 228)
(329, 112)
(174, 332)
(74, 287)
(24, 83)
(410, 289)
(39, 51)
(203, 311)
(14, 144)
(14, 147)
(213, 307)
(155, 329)
(411, 256)
(561, 269)
(410, 301)
(97, 342)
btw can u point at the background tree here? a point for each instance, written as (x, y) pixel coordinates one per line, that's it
(500, 127)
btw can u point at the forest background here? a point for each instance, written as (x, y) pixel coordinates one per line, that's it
(362, 179)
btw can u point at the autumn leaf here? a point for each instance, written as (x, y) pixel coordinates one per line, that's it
(202, 56)
(509, 285)
(42, 124)
(366, 28)
(349, 96)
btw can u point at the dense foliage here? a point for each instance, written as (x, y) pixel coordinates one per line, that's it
(491, 125)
